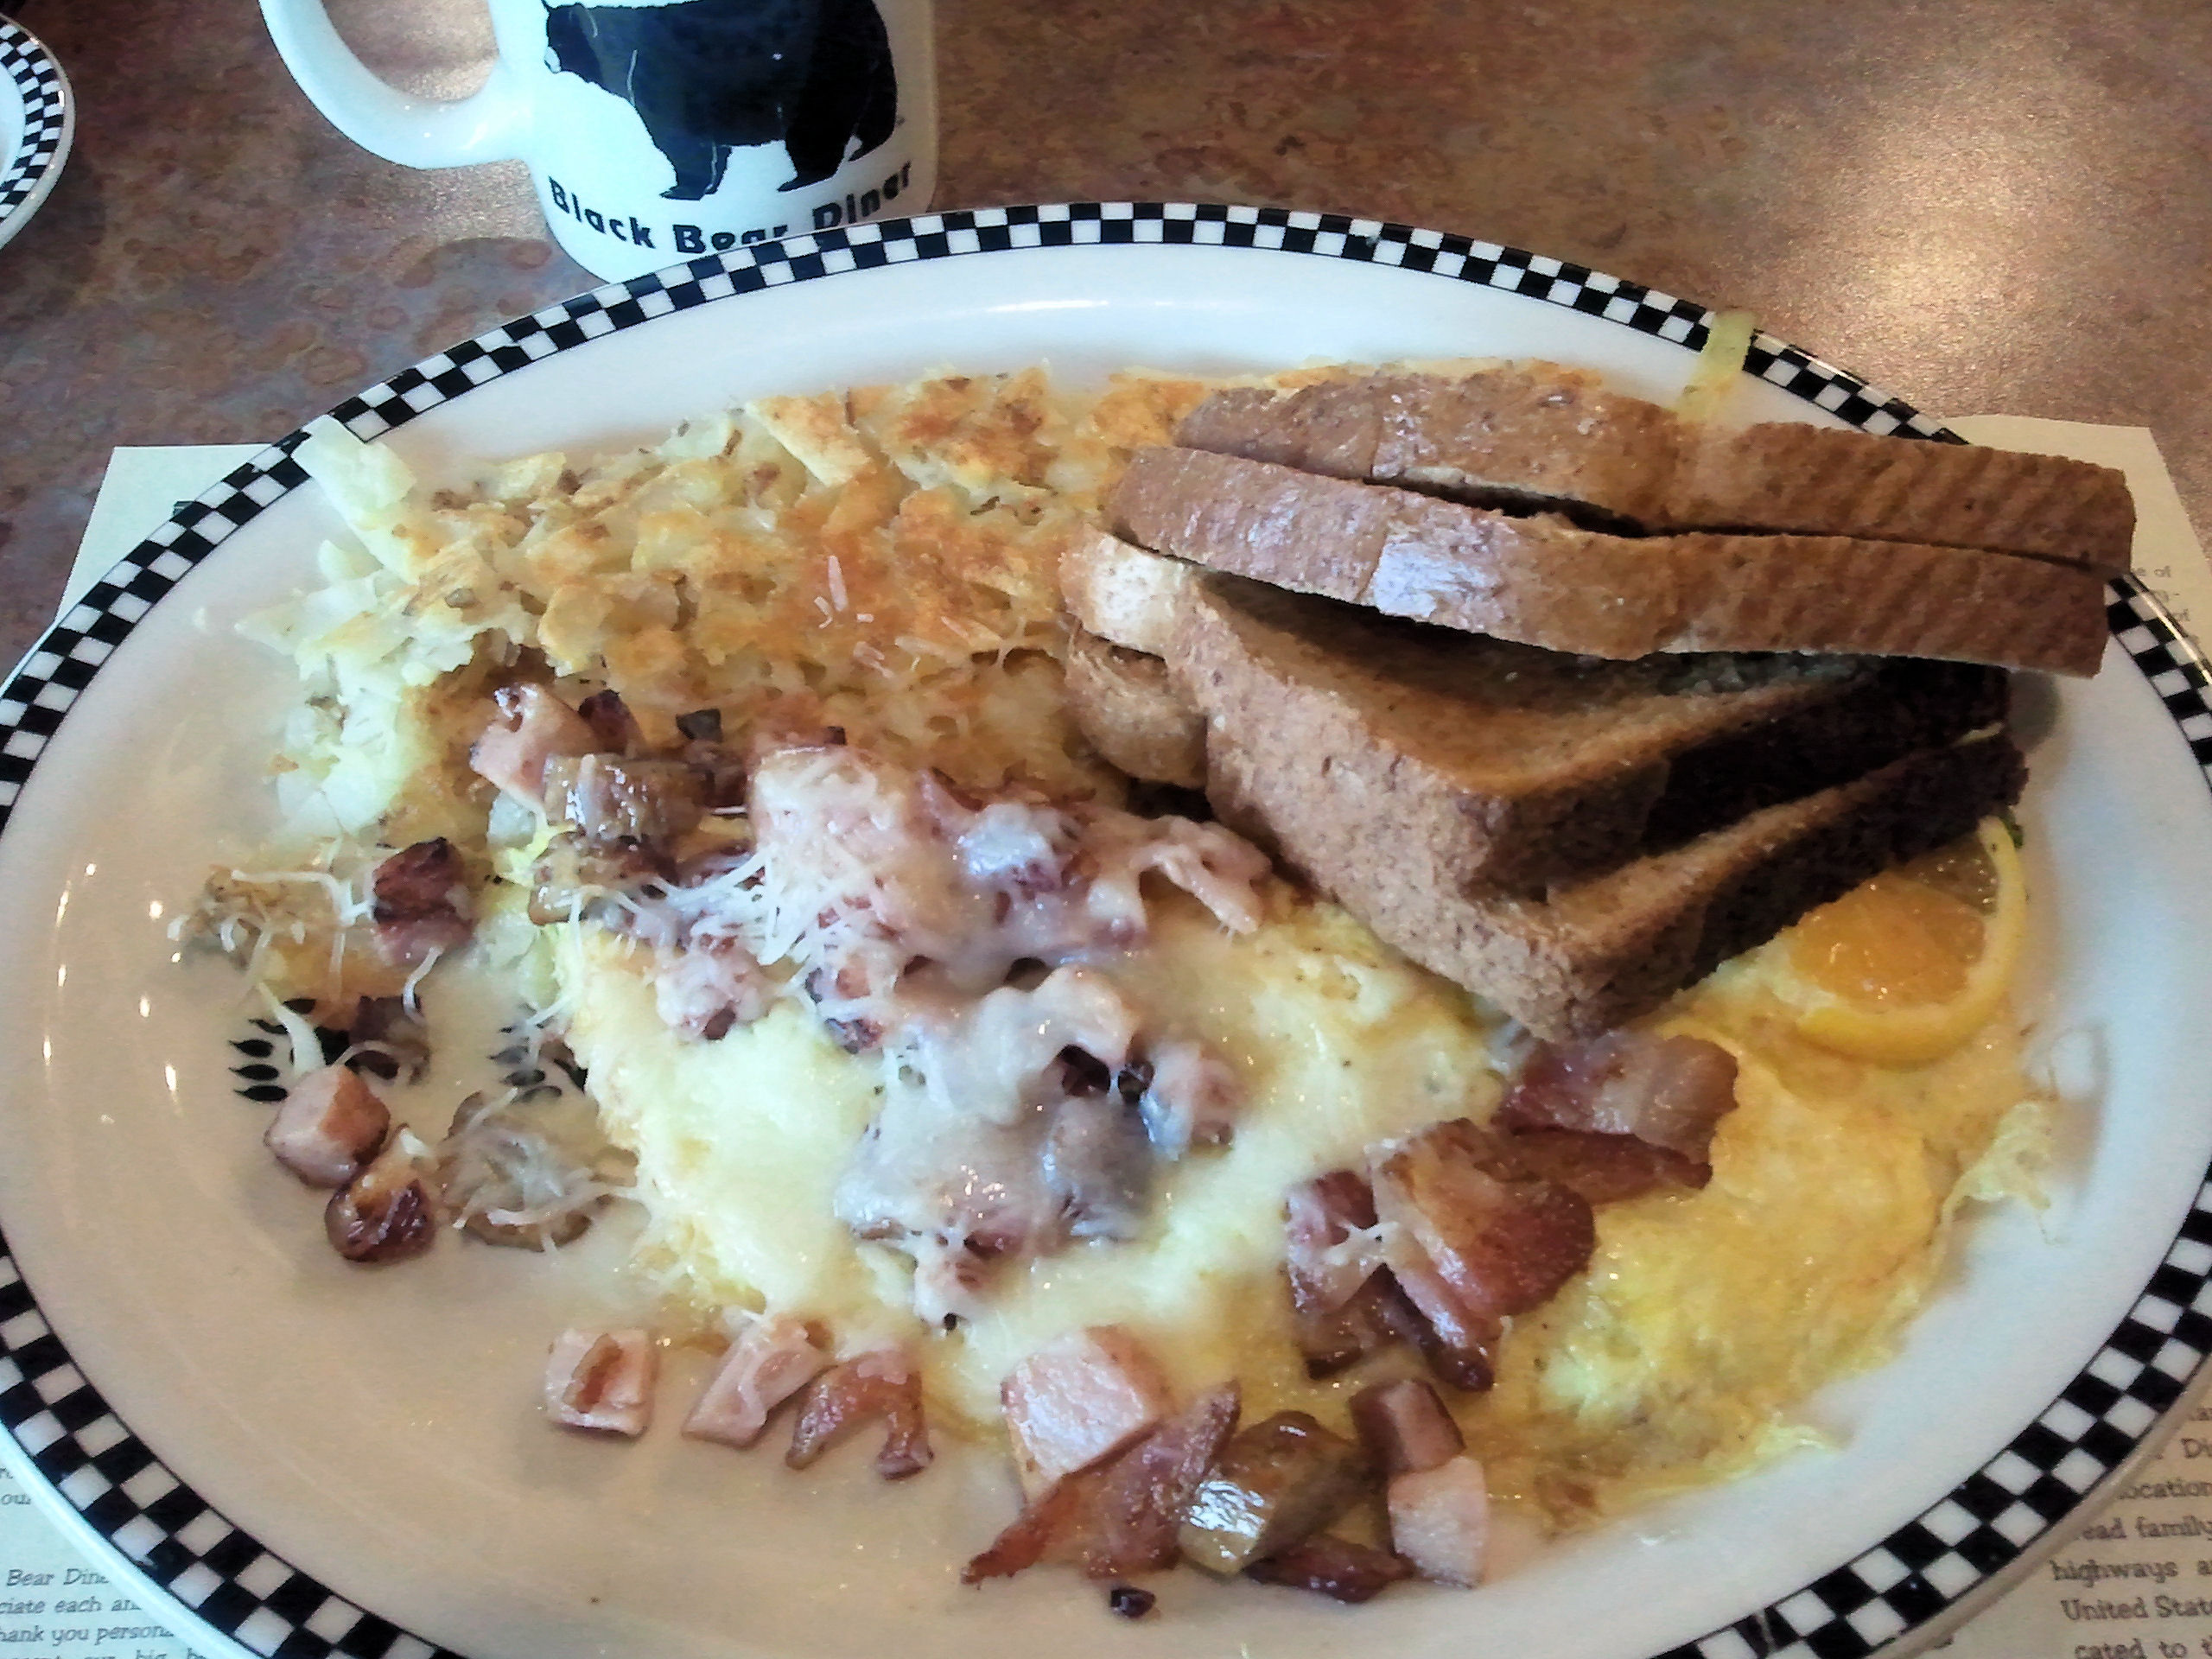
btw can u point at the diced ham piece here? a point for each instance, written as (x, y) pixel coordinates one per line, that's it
(419, 900)
(1404, 1425)
(1668, 1092)
(770, 1361)
(1332, 1567)
(1078, 1399)
(602, 1380)
(1473, 1237)
(531, 727)
(1192, 1098)
(1119, 1517)
(330, 1124)
(1440, 1520)
(883, 1383)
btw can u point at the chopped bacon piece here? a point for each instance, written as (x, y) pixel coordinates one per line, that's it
(1192, 1098)
(1473, 1236)
(1668, 1092)
(1440, 1520)
(386, 1212)
(1404, 1425)
(1120, 1517)
(1332, 1246)
(1078, 1399)
(330, 1123)
(884, 1383)
(1345, 1304)
(531, 727)
(1606, 1168)
(1332, 1567)
(770, 1363)
(602, 1380)
(419, 901)
(1378, 1316)
(614, 727)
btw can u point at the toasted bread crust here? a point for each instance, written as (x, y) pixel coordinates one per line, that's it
(1599, 951)
(1543, 581)
(1122, 701)
(1535, 435)
(1487, 765)
(1122, 593)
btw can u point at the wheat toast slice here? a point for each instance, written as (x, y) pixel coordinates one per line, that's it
(1596, 952)
(1542, 580)
(1537, 435)
(1486, 766)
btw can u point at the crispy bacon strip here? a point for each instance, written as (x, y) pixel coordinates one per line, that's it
(419, 901)
(883, 1383)
(1666, 1093)
(1474, 1236)
(1118, 1517)
(1332, 1567)
(770, 1363)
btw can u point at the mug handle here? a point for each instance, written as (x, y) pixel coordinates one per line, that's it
(488, 125)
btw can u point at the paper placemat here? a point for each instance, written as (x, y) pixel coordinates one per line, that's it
(2135, 1582)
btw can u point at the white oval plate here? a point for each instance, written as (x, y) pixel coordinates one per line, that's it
(38, 118)
(320, 1459)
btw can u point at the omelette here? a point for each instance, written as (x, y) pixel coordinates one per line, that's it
(879, 565)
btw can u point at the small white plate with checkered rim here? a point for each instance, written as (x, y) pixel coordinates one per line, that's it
(38, 118)
(315, 1460)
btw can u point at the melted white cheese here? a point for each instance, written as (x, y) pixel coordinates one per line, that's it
(741, 1144)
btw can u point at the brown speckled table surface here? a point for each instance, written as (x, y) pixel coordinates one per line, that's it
(1979, 204)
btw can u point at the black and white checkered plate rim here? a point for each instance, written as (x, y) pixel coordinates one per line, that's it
(35, 80)
(1953, 1556)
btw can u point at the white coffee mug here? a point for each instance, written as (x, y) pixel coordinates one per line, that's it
(656, 130)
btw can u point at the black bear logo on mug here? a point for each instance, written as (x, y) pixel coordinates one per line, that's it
(706, 77)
